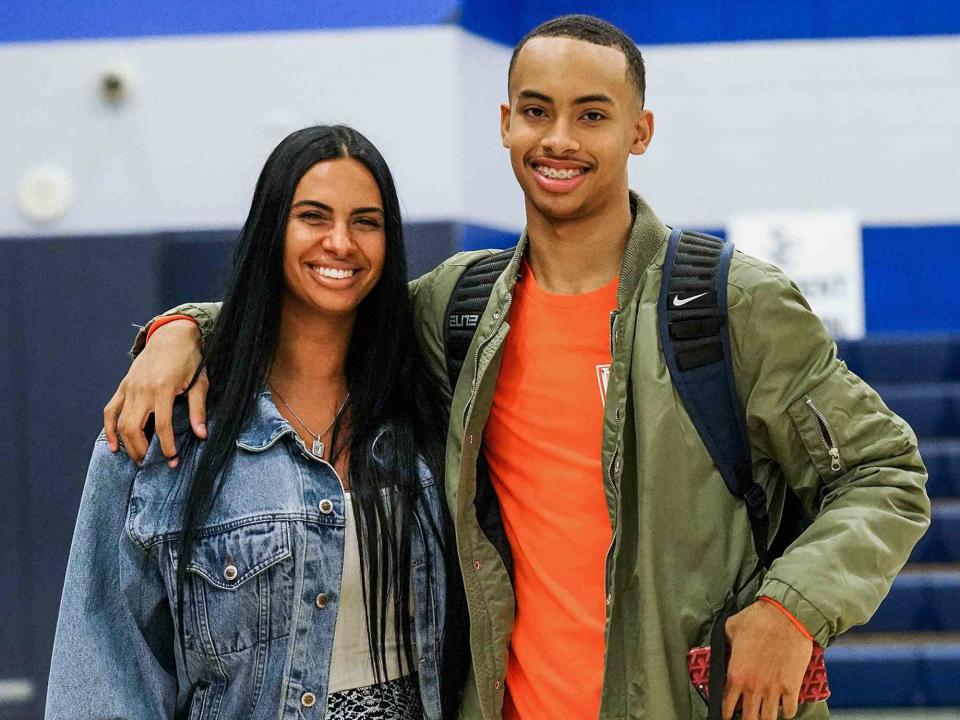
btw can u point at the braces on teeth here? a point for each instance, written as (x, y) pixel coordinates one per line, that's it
(558, 174)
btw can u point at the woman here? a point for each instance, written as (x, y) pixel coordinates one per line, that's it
(293, 565)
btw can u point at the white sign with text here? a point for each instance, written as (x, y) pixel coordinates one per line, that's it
(821, 252)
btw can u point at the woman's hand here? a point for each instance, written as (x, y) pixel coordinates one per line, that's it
(160, 372)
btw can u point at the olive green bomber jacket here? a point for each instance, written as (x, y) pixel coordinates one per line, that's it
(681, 541)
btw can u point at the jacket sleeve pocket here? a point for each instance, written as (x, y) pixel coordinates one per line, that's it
(844, 423)
(858, 462)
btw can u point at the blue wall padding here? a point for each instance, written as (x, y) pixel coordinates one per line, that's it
(32, 20)
(67, 308)
(194, 266)
(479, 237)
(697, 21)
(910, 276)
(17, 650)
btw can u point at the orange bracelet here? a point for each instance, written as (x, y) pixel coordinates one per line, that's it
(160, 322)
(790, 615)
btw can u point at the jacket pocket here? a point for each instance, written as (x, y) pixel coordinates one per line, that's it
(843, 422)
(827, 437)
(239, 589)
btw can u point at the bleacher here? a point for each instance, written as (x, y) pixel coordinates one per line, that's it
(908, 655)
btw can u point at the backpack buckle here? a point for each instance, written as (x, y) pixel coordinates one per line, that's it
(756, 500)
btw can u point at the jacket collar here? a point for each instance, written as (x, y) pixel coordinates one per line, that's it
(264, 426)
(646, 238)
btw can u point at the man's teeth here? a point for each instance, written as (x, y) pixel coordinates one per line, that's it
(333, 272)
(555, 174)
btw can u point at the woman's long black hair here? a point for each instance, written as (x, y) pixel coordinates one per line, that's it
(389, 387)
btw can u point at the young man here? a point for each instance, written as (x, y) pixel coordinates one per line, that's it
(596, 537)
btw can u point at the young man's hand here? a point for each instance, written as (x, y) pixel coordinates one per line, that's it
(769, 656)
(162, 371)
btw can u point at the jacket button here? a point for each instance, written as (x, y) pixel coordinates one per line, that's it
(322, 600)
(230, 572)
(326, 506)
(308, 699)
(476, 564)
(497, 684)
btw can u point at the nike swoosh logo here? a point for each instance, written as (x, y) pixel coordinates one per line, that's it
(677, 302)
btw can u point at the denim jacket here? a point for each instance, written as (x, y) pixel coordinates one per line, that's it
(261, 597)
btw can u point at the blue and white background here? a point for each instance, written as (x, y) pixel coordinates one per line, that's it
(761, 107)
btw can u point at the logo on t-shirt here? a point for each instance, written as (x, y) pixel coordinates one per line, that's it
(603, 377)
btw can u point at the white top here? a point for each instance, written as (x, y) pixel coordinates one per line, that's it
(350, 665)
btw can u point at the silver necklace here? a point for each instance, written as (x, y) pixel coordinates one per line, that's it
(318, 445)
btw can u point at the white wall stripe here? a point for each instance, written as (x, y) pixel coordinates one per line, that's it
(871, 126)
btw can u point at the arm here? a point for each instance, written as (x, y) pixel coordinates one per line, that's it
(113, 655)
(158, 374)
(203, 314)
(869, 509)
(164, 368)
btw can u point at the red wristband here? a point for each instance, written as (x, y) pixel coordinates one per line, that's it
(793, 619)
(160, 322)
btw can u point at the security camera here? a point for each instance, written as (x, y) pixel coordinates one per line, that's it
(116, 84)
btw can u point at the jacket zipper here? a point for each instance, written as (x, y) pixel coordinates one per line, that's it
(826, 437)
(607, 598)
(476, 361)
(613, 317)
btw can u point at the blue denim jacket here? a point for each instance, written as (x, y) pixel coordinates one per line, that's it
(261, 598)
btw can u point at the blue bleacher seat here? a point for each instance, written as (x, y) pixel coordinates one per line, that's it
(908, 655)
(941, 544)
(942, 458)
(921, 600)
(932, 409)
(887, 359)
(912, 673)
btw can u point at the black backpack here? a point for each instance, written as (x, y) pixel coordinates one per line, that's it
(692, 325)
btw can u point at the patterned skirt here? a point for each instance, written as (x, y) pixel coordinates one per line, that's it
(394, 700)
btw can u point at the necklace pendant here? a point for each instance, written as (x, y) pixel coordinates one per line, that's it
(318, 447)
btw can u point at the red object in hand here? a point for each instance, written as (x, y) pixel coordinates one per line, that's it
(813, 689)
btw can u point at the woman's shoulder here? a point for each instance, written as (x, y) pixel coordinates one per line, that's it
(256, 484)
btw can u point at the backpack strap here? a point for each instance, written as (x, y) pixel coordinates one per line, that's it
(467, 303)
(692, 319)
(695, 339)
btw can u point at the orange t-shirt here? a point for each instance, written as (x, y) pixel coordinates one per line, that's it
(542, 442)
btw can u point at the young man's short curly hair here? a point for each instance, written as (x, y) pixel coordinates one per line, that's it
(592, 30)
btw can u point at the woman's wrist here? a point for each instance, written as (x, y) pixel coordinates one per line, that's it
(170, 321)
